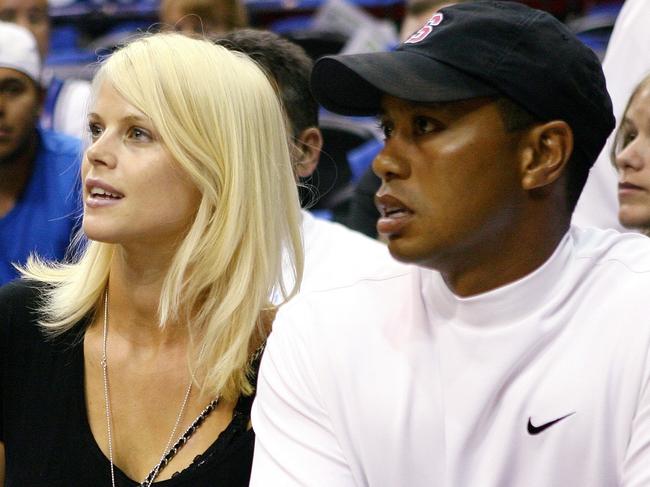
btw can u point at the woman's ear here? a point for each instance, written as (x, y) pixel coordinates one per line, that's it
(546, 150)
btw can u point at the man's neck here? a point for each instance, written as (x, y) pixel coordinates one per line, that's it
(505, 260)
(15, 174)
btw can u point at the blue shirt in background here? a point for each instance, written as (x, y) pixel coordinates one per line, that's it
(48, 211)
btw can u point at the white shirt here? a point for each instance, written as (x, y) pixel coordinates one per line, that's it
(335, 254)
(625, 64)
(394, 381)
(71, 110)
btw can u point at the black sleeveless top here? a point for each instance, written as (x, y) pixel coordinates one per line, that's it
(43, 419)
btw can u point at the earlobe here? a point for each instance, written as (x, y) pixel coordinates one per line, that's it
(310, 143)
(545, 154)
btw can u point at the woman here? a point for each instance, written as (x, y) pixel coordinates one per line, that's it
(631, 156)
(190, 208)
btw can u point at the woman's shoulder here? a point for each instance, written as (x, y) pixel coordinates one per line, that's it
(20, 297)
(20, 310)
(20, 292)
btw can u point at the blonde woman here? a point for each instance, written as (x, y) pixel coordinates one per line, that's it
(133, 365)
(631, 157)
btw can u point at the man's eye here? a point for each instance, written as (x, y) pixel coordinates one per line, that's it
(8, 16)
(12, 89)
(37, 17)
(386, 128)
(424, 125)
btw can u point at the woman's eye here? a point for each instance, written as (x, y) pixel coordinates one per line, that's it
(627, 139)
(139, 134)
(94, 130)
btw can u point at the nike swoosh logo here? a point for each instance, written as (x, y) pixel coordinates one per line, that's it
(535, 430)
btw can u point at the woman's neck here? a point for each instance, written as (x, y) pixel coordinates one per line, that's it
(135, 286)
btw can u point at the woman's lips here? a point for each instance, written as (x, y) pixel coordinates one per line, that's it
(394, 215)
(626, 188)
(101, 194)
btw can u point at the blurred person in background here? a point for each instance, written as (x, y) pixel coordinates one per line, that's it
(203, 16)
(39, 197)
(66, 101)
(631, 157)
(626, 63)
(334, 254)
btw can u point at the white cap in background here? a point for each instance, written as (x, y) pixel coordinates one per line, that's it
(18, 50)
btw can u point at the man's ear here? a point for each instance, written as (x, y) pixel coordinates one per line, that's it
(309, 144)
(546, 150)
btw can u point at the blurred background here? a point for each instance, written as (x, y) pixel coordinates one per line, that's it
(83, 30)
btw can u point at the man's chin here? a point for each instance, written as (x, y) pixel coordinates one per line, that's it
(7, 155)
(401, 251)
(18, 151)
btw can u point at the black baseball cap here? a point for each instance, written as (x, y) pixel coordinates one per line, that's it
(478, 49)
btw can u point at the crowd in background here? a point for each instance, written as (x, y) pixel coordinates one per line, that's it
(342, 186)
(64, 112)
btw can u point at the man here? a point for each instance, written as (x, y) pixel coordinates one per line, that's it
(38, 169)
(65, 103)
(362, 214)
(334, 254)
(517, 352)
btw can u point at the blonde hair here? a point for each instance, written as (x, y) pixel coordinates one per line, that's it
(230, 14)
(220, 118)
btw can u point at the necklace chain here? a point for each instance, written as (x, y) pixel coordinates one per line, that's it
(109, 416)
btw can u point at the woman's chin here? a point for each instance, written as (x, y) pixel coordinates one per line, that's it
(635, 221)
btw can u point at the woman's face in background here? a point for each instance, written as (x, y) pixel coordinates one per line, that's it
(632, 162)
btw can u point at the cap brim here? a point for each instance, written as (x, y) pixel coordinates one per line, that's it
(354, 84)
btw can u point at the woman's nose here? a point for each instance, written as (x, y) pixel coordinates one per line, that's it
(101, 151)
(633, 156)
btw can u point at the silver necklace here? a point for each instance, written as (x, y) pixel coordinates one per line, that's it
(109, 417)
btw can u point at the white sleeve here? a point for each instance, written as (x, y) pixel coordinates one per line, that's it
(636, 468)
(295, 443)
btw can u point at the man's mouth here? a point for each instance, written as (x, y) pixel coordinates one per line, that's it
(395, 215)
(391, 207)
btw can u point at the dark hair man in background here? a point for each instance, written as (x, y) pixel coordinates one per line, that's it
(65, 102)
(38, 169)
(516, 353)
(334, 254)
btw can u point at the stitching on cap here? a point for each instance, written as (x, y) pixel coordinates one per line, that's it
(521, 26)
